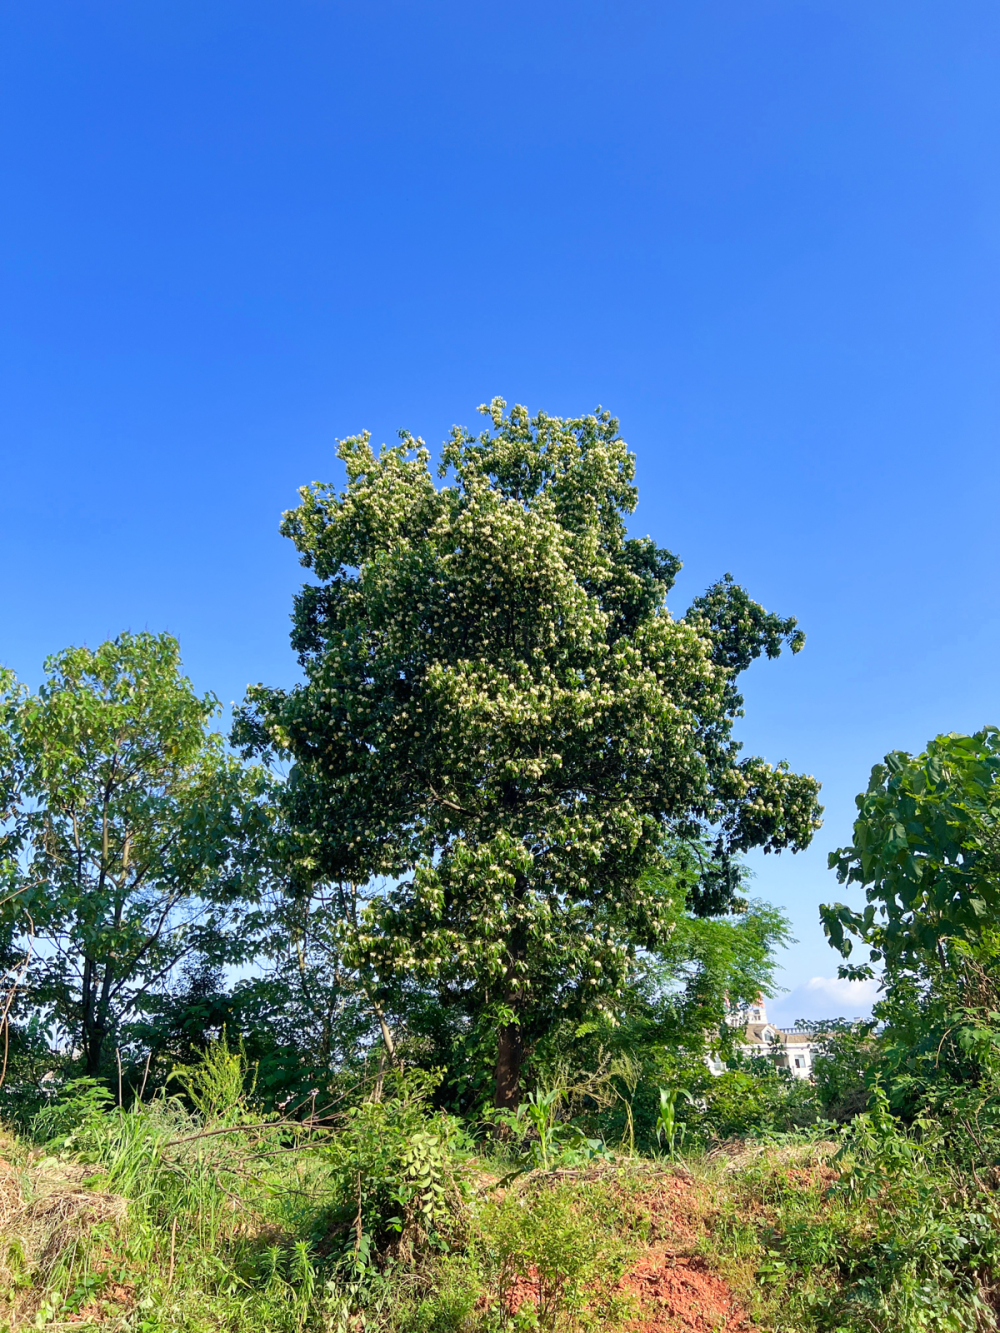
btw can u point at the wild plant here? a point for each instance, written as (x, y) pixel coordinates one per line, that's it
(669, 1134)
(555, 1141)
(541, 1251)
(888, 1235)
(220, 1085)
(221, 1200)
(397, 1171)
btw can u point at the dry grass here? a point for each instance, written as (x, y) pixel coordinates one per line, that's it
(737, 1154)
(45, 1212)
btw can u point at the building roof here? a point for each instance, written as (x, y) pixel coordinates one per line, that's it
(766, 1034)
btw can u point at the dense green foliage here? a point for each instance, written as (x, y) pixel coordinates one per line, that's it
(502, 721)
(198, 1210)
(137, 835)
(886, 1233)
(926, 850)
(509, 840)
(415, 1036)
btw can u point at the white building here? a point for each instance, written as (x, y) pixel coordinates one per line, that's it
(793, 1049)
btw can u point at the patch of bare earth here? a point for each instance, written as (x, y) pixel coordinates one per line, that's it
(677, 1294)
(673, 1289)
(670, 1288)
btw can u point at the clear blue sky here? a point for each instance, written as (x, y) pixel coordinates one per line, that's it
(764, 234)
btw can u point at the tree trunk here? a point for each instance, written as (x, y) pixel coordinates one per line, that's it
(90, 1037)
(510, 1048)
(510, 1054)
(93, 1040)
(95, 1015)
(387, 1038)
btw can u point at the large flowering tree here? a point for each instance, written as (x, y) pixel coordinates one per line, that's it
(502, 723)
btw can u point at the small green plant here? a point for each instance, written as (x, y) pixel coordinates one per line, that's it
(897, 1242)
(83, 1102)
(85, 1287)
(448, 1301)
(397, 1170)
(542, 1244)
(221, 1084)
(556, 1142)
(877, 1150)
(669, 1134)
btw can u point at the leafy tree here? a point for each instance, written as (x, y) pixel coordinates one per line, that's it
(845, 1065)
(500, 721)
(678, 997)
(14, 919)
(140, 834)
(926, 851)
(671, 1014)
(11, 786)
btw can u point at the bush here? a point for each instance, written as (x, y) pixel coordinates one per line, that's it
(544, 1254)
(885, 1237)
(755, 1099)
(397, 1171)
(847, 1061)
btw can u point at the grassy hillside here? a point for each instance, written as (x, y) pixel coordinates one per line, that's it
(193, 1211)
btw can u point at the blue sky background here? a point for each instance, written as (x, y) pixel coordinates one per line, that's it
(764, 233)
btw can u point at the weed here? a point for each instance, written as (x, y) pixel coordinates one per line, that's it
(669, 1134)
(543, 1256)
(548, 1140)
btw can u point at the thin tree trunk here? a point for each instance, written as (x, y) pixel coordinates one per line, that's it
(387, 1037)
(93, 1044)
(92, 1049)
(510, 1057)
(510, 1046)
(88, 1019)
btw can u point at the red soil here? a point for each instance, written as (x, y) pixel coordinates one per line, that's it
(673, 1291)
(673, 1211)
(676, 1292)
(678, 1295)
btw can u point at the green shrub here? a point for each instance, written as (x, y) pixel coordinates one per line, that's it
(396, 1168)
(843, 1068)
(82, 1105)
(901, 1242)
(756, 1099)
(221, 1085)
(451, 1302)
(543, 1135)
(543, 1245)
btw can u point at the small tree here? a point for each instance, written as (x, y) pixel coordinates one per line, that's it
(926, 851)
(502, 720)
(139, 832)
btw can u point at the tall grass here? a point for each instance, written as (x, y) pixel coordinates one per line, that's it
(385, 1216)
(224, 1204)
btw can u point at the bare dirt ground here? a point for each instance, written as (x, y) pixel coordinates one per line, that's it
(681, 1295)
(670, 1286)
(673, 1288)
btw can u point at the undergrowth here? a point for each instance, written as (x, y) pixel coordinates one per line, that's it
(385, 1214)
(195, 1210)
(878, 1230)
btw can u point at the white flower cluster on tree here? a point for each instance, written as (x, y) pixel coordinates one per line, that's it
(501, 717)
